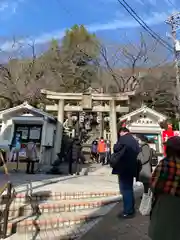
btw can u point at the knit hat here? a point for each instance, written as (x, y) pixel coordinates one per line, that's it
(173, 143)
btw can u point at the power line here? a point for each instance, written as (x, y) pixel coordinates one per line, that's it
(138, 19)
(171, 3)
(143, 24)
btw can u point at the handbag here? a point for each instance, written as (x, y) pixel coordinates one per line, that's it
(116, 156)
(146, 204)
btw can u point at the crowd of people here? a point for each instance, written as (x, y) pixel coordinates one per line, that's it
(132, 158)
(101, 151)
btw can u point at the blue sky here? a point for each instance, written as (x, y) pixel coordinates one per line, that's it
(42, 20)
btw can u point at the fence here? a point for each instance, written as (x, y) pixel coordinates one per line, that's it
(4, 213)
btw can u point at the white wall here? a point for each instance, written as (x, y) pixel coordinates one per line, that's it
(7, 131)
(49, 134)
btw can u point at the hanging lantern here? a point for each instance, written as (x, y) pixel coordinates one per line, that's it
(91, 117)
(74, 118)
(106, 119)
(81, 119)
(88, 125)
(98, 119)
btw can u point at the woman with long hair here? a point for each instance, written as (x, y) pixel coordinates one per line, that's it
(165, 185)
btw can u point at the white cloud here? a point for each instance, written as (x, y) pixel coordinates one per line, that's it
(9, 7)
(3, 6)
(155, 19)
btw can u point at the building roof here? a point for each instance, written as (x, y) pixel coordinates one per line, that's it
(160, 116)
(26, 106)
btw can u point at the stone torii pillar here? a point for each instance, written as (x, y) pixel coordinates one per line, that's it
(113, 123)
(59, 127)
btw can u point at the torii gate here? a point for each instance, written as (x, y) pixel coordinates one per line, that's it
(86, 103)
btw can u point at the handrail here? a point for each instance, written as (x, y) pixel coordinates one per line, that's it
(29, 197)
(11, 194)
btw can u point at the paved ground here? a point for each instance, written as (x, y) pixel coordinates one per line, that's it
(110, 227)
(100, 180)
(63, 184)
(113, 228)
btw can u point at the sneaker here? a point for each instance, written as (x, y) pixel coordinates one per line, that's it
(128, 215)
(125, 215)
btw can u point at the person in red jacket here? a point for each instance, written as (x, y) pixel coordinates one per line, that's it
(102, 150)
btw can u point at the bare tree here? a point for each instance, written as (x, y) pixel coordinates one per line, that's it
(20, 79)
(126, 65)
(157, 89)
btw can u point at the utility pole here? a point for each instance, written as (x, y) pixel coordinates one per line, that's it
(174, 22)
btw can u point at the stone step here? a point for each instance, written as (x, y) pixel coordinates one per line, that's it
(53, 221)
(19, 209)
(66, 233)
(103, 170)
(46, 195)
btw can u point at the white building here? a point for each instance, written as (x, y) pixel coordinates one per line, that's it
(146, 121)
(33, 125)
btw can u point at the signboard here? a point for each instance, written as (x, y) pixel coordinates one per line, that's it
(152, 138)
(87, 101)
(35, 133)
(22, 153)
(24, 132)
(167, 134)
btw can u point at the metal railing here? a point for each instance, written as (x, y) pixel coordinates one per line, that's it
(4, 213)
(29, 197)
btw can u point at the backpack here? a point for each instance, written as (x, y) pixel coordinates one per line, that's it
(139, 163)
(153, 157)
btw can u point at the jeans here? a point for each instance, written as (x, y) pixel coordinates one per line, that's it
(77, 167)
(126, 189)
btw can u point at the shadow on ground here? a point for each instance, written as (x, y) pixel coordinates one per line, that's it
(111, 227)
(20, 179)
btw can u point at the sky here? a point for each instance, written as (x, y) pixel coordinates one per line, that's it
(41, 20)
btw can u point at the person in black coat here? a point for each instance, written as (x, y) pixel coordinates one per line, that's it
(125, 155)
(76, 153)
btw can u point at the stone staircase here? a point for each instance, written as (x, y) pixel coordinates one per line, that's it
(58, 215)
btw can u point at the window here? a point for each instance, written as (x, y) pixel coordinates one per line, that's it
(35, 133)
(24, 132)
(29, 132)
